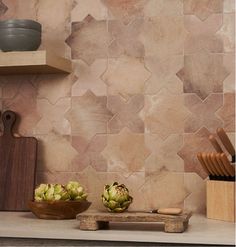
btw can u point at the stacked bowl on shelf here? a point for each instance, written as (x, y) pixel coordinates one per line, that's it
(19, 35)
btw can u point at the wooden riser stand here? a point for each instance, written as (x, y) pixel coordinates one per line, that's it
(100, 220)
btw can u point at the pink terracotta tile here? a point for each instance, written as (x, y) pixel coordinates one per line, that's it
(203, 8)
(227, 112)
(229, 6)
(196, 200)
(55, 19)
(125, 39)
(193, 144)
(163, 74)
(89, 153)
(203, 73)
(118, 159)
(89, 78)
(88, 115)
(55, 152)
(3, 8)
(56, 177)
(83, 8)
(53, 117)
(166, 8)
(126, 114)
(164, 189)
(164, 153)
(163, 36)
(89, 40)
(165, 113)
(125, 76)
(11, 84)
(202, 35)
(229, 63)
(24, 104)
(54, 87)
(125, 10)
(227, 32)
(203, 112)
(17, 9)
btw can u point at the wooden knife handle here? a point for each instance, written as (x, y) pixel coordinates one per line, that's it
(226, 168)
(215, 144)
(172, 211)
(226, 162)
(226, 141)
(220, 167)
(215, 165)
(8, 119)
(199, 156)
(209, 167)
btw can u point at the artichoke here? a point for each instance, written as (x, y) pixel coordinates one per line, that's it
(76, 191)
(116, 197)
(51, 192)
(40, 191)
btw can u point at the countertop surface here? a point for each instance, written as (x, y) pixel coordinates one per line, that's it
(200, 231)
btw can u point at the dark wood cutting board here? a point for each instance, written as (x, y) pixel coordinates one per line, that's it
(17, 167)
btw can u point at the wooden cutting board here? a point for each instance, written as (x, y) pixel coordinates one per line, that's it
(17, 167)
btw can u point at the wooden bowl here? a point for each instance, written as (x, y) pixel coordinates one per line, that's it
(58, 210)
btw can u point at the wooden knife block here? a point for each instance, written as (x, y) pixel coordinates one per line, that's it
(221, 200)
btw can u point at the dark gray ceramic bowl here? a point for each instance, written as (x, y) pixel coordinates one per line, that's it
(19, 31)
(20, 23)
(19, 39)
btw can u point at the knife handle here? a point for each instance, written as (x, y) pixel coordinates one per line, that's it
(226, 162)
(215, 144)
(199, 156)
(226, 168)
(215, 165)
(208, 165)
(172, 211)
(220, 167)
(226, 141)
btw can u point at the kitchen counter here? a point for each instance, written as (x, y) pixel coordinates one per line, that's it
(201, 230)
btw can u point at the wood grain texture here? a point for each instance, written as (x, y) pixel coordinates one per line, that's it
(33, 62)
(98, 220)
(221, 200)
(58, 210)
(17, 167)
(226, 141)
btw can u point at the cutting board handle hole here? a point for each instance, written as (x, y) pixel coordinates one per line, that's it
(8, 118)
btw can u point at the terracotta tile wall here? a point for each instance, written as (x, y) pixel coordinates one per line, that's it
(151, 80)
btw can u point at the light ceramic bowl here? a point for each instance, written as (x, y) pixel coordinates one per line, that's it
(58, 210)
(19, 39)
(20, 23)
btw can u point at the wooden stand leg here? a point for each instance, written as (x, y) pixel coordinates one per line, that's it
(173, 226)
(89, 225)
(185, 224)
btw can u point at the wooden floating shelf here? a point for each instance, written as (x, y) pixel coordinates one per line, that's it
(93, 221)
(33, 62)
